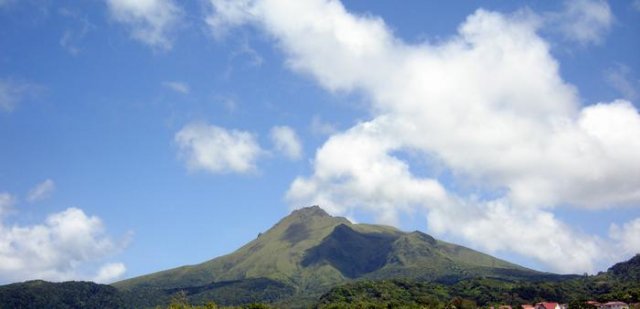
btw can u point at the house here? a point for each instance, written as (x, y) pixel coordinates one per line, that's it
(614, 305)
(593, 303)
(527, 306)
(549, 305)
(504, 307)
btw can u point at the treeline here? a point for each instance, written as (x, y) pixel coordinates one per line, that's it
(478, 293)
(72, 294)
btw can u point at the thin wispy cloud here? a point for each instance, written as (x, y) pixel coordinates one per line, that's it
(6, 203)
(583, 21)
(621, 78)
(14, 92)
(73, 35)
(321, 127)
(177, 86)
(42, 191)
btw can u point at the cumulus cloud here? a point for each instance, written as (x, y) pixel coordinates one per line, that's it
(56, 249)
(150, 21)
(42, 191)
(13, 93)
(584, 21)
(488, 106)
(179, 87)
(497, 225)
(217, 150)
(286, 141)
(355, 170)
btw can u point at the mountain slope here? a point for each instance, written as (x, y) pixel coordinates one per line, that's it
(310, 251)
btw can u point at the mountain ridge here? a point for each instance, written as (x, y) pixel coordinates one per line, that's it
(311, 251)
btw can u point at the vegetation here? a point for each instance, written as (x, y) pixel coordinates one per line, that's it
(42, 294)
(618, 283)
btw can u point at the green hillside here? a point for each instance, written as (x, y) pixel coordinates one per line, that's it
(309, 252)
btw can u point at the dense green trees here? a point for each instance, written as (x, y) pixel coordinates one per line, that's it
(482, 292)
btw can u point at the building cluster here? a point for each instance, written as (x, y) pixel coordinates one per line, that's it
(591, 303)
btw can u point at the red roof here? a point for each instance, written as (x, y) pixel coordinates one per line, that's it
(548, 305)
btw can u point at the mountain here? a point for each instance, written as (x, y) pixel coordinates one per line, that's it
(309, 252)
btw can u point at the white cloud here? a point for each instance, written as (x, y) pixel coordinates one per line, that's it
(110, 272)
(584, 21)
(13, 93)
(496, 226)
(180, 87)
(42, 191)
(619, 77)
(150, 21)
(354, 170)
(286, 141)
(488, 105)
(55, 250)
(217, 150)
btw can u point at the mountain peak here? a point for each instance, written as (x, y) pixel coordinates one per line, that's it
(310, 211)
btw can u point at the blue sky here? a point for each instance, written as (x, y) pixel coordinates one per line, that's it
(136, 136)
